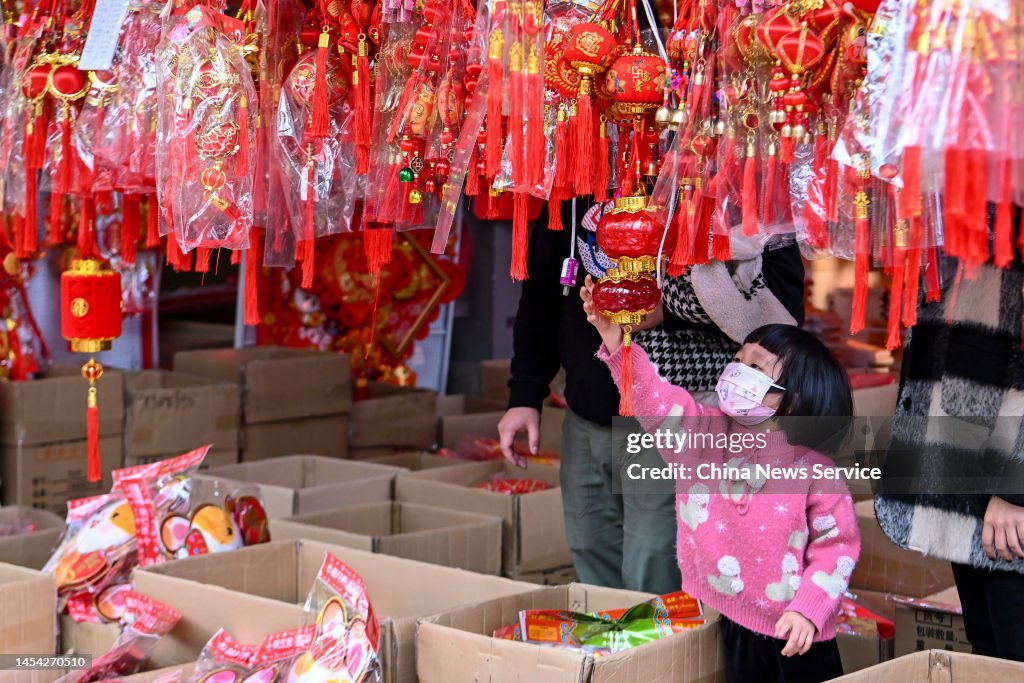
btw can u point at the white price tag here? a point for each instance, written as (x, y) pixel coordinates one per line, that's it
(101, 41)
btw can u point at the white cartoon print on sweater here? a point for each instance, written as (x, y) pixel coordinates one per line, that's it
(825, 527)
(835, 584)
(785, 588)
(728, 582)
(694, 511)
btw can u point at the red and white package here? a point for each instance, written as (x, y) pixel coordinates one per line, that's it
(146, 621)
(180, 516)
(98, 544)
(224, 660)
(278, 652)
(347, 636)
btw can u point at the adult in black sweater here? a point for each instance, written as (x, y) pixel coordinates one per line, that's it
(628, 540)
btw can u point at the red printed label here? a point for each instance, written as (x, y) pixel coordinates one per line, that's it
(224, 648)
(340, 578)
(284, 645)
(150, 616)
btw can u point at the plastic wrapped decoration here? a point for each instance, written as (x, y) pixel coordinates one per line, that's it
(98, 545)
(347, 635)
(147, 620)
(179, 516)
(628, 293)
(205, 130)
(224, 660)
(23, 351)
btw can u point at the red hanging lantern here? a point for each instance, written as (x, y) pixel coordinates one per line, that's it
(628, 293)
(90, 307)
(634, 82)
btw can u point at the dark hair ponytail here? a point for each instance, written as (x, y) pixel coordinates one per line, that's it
(817, 386)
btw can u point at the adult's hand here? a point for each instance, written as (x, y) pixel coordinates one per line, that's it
(1003, 532)
(514, 421)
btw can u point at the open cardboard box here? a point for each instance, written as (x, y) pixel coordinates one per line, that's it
(277, 383)
(260, 590)
(28, 603)
(935, 622)
(86, 637)
(33, 549)
(885, 567)
(394, 416)
(461, 416)
(325, 435)
(458, 646)
(414, 461)
(860, 651)
(534, 529)
(169, 413)
(301, 484)
(938, 666)
(418, 532)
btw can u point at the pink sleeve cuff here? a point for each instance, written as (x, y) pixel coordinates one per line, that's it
(812, 603)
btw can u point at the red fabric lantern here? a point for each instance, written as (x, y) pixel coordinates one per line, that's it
(589, 48)
(634, 82)
(630, 236)
(90, 311)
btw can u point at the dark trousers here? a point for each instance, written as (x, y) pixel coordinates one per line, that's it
(753, 658)
(993, 604)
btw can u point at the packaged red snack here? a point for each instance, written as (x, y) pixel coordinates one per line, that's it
(146, 621)
(347, 636)
(513, 485)
(224, 660)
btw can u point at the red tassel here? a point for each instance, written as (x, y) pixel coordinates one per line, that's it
(815, 207)
(236, 257)
(626, 385)
(976, 219)
(377, 245)
(862, 262)
(602, 173)
(769, 185)
(87, 229)
(320, 120)
(555, 213)
(583, 145)
(130, 222)
(956, 186)
(364, 114)
(912, 287)
(95, 472)
(536, 142)
(520, 236)
(30, 235)
(832, 191)
(682, 254)
(152, 221)
(56, 218)
(931, 276)
(243, 136)
(65, 149)
(251, 309)
(911, 194)
(473, 174)
(306, 245)
(495, 92)
(1003, 247)
(202, 260)
(629, 178)
(516, 127)
(721, 248)
(750, 193)
(892, 339)
(787, 149)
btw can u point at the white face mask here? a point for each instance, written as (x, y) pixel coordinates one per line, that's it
(741, 390)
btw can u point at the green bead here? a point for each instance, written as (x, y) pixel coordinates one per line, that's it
(405, 175)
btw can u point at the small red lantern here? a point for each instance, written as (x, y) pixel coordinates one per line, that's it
(90, 312)
(590, 48)
(631, 237)
(635, 82)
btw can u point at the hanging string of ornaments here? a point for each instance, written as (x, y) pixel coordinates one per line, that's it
(878, 131)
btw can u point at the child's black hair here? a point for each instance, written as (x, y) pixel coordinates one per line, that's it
(816, 386)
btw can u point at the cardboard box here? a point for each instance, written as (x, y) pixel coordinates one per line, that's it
(36, 676)
(414, 461)
(883, 566)
(170, 413)
(394, 416)
(938, 667)
(860, 652)
(416, 532)
(52, 409)
(326, 436)
(277, 383)
(47, 476)
(33, 549)
(932, 623)
(461, 416)
(876, 401)
(28, 603)
(533, 531)
(179, 673)
(371, 453)
(494, 376)
(301, 484)
(457, 645)
(259, 590)
(188, 335)
(560, 576)
(86, 638)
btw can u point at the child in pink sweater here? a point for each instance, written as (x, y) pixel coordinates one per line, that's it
(772, 555)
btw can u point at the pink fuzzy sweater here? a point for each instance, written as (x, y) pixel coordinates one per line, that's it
(750, 549)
